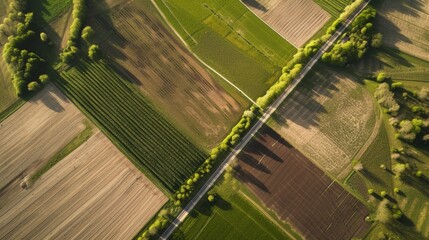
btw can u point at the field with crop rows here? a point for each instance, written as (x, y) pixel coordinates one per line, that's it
(231, 39)
(94, 192)
(133, 124)
(34, 133)
(405, 27)
(298, 191)
(166, 72)
(232, 217)
(330, 118)
(296, 21)
(50, 9)
(333, 7)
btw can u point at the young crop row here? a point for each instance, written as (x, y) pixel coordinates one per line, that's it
(333, 7)
(150, 141)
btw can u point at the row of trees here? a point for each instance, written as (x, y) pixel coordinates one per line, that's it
(354, 43)
(23, 63)
(386, 98)
(71, 50)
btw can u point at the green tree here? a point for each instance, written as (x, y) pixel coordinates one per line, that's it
(94, 52)
(88, 34)
(44, 37)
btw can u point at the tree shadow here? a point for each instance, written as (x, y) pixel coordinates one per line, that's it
(247, 177)
(255, 4)
(421, 184)
(251, 161)
(303, 106)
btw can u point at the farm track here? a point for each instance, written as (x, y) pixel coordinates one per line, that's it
(261, 122)
(152, 143)
(92, 193)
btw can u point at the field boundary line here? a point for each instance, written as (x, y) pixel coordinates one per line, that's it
(264, 212)
(259, 124)
(198, 58)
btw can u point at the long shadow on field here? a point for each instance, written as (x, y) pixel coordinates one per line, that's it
(409, 7)
(255, 4)
(305, 104)
(253, 162)
(383, 25)
(421, 184)
(246, 176)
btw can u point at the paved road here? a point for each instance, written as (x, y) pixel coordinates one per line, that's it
(210, 182)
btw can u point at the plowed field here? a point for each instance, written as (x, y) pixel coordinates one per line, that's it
(299, 192)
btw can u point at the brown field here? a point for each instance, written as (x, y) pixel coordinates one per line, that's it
(296, 21)
(330, 118)
(93, 193)
(298, 191)
(405, 26)
(34, 133)
(166, 72)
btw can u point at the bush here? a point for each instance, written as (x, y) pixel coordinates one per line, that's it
(44, 79)
(381, 77)
(88, 34)
(33, 86)
(94, 52)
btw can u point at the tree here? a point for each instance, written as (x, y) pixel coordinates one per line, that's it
(43, 37)
(383, 213)
(381, 77)
(33, 86)
(396, 190)
(383, 193)
(211, 198)
(370, 191)
(44, 79)
(94, 52)
(88, 34)
(377, 40)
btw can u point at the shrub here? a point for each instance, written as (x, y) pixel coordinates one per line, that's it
(381, 77)
(44, 37)
(88, 34)
(44, 79)
(94, 52)
(33, 86)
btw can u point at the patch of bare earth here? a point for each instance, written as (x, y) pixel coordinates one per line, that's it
(405, 26)
(93, 193)
(295, 20)
(166, 72)
(37, 131)
(329, 118)
(298, 191)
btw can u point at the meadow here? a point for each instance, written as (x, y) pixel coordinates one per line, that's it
(231, 39)
(230, 217)
(151, 142)
(49, 10)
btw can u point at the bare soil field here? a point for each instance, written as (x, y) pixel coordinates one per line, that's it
(93, 193)
(166, 72)
(298, 191)
(34, 133)
(405, 26)
(296, 21)
(330, 118)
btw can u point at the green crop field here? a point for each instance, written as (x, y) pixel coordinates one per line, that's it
(150, 141)
(231, 218)
(50, 9)
(333, 7)
(231, 39)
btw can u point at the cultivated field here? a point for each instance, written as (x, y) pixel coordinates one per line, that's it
(405, 26)
(296, 21)
(298, 191)
(333, 7)
(132, 123)
(231, 39)
(166, 72)
(50, 9)
(93, 193)
(331, 118)
(34, 133)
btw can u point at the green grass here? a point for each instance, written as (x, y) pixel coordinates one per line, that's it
(152, 143)
(70, 147)
(333, 7)
(231, 39)
(232, 217)
(49, 10)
